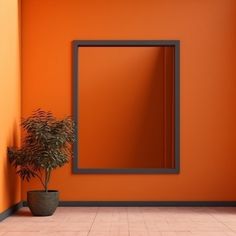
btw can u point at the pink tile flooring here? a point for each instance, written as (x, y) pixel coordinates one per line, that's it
(124, 221)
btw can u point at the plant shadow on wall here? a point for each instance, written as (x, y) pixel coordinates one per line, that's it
(46, 146)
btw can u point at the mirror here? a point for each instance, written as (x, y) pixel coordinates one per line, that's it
(125, 104)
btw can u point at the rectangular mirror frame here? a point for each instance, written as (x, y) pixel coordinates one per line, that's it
(76, 44)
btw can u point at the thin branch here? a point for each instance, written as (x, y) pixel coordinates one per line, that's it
(45, 180)
(48, 177)
(39, 179)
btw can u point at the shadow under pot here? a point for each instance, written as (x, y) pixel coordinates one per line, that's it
(43, 203)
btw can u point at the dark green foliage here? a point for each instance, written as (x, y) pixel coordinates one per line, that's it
(46, 146)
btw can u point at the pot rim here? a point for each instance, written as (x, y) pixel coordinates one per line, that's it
(43, 191)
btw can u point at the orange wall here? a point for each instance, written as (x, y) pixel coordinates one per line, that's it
(10, 192)
(208, 88)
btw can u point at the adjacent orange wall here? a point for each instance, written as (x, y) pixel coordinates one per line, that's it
(207, 33)
(10, 187)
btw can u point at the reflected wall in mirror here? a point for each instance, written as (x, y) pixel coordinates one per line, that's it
(126, 106)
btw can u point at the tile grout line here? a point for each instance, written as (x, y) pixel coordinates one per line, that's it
(93, 222)
(128, 221)
(145, 223)
(221, 222)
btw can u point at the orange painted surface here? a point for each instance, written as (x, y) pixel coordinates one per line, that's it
(121, 107)
(10, 192)
(208, 88)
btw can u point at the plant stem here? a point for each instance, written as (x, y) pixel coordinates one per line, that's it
(40, 180)
(49, 175)
(45, 180)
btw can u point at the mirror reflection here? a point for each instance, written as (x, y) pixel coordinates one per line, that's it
(126, 107)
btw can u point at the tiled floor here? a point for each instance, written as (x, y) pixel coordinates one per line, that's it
(124, 221)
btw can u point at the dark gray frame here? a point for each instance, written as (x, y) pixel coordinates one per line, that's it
(76, 44)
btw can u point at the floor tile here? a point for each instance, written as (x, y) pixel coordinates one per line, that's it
(63, 233)
(209, 233)
(175, 234)
(22, 233)
(124, 221)
(138, 233)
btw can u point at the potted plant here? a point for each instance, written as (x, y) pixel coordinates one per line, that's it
(46, 146)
